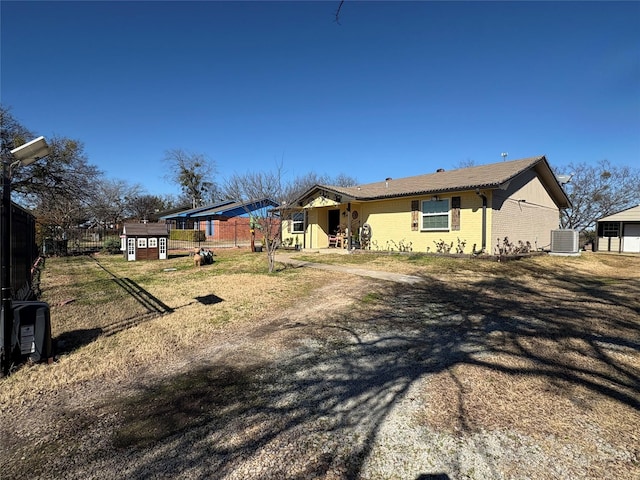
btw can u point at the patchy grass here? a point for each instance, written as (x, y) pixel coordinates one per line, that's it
(110, 316)
(222, 360)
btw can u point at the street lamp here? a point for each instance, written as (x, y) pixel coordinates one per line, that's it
(21, 156)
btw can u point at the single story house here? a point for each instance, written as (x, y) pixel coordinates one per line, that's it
(474, 209)
(225, 222)
(619, 232)
(144, 241)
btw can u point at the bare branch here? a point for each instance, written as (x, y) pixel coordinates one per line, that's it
(338, 12)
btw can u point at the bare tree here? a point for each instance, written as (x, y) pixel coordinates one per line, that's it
(111, 201)
(302, 183)
(64, 173)
(58, 187)
(58, 216)
(253, 189)
(193, 172)
(258, 186)
(469, 162)
(145, 207)
(596, 191)
(337, 14)
(12, 132)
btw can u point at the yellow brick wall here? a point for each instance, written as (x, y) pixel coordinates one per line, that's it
(296, 238)
(316, 234)
(390, 222)
(524, 212)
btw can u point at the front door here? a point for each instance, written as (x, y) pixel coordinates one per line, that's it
(333, 221)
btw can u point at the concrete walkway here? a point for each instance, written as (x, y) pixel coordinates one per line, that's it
(391, 277)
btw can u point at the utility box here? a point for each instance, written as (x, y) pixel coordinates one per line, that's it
(31, 337)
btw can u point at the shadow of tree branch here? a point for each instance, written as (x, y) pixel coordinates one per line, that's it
(317, 410)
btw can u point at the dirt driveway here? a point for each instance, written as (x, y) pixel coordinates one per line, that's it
(468, 374)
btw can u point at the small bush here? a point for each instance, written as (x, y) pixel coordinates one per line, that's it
(111, 246)
(392, 246)
(505, 247)
(188, 235)
(443, 247)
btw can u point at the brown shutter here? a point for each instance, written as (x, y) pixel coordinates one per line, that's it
(415, 214)
(455, 213)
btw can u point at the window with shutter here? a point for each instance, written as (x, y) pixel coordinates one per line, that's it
(435, 214)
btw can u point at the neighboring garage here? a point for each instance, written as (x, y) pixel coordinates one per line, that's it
(619, 232)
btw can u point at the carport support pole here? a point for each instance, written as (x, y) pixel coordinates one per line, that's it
(7, 308)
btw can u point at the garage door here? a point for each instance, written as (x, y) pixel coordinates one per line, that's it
(631, 238)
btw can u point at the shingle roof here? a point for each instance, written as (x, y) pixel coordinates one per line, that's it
(483, 176)
(489, 176)
(145, 229)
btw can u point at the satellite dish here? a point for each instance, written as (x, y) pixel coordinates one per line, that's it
(564, 179)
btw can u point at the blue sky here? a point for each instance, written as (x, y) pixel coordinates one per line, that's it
(396, 89)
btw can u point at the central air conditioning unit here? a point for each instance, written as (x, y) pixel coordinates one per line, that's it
(565, 242)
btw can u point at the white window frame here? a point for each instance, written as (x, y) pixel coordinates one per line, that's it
(441, 213)
(153, 242)
(295, 222)
(142, 242)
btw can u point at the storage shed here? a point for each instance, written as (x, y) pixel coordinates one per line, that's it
(145, 241)
(619, 232)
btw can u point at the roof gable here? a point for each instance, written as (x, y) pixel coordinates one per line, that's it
(629, 214)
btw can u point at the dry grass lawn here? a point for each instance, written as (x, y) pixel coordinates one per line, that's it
(228, 361)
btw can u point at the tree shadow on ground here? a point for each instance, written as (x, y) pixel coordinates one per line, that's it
(317, 411)
(138, 306)
(67, 342)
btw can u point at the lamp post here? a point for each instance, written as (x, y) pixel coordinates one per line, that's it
(21, 156)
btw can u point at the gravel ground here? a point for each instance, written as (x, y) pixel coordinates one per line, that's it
(297, 396)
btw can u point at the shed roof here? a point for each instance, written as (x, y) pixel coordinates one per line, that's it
(631, 214)
(491, 176)
(148, 229)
